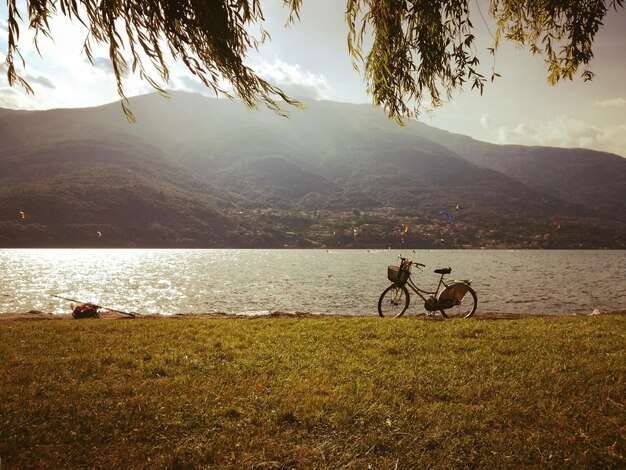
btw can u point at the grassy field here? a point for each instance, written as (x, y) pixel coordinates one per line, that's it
(314, 393)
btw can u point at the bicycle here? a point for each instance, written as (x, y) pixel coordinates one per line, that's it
(452, 301)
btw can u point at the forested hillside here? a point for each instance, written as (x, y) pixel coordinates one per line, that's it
(202, 172)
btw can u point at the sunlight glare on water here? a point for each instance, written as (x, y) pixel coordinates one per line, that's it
(319, 281)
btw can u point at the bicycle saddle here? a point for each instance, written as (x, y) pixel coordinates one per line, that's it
(443, 270)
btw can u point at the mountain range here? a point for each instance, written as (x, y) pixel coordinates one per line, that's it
(202, 172)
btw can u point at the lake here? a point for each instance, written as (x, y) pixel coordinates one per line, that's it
(345, 282)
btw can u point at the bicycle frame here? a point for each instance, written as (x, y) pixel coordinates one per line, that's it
(419, 291)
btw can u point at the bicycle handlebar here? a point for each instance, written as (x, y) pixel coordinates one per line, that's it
(414, 263)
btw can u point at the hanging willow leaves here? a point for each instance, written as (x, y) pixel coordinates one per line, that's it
(418, 51)
(210, 37)
(422, 50)
(562, 31)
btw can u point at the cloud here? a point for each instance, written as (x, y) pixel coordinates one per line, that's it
(293, 80)
(36, 79)
(10, 98)
(566, 132)
(40, 80)
(485, 120)
(187, 83)
(104, 64)
(612, 103)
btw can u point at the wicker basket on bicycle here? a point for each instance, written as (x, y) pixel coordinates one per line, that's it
(398, 275)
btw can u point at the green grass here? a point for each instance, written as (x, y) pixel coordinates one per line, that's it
(314, 393)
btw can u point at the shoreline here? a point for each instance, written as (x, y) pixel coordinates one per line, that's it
(34, 315)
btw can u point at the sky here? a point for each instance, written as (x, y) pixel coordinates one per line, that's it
(310, 60)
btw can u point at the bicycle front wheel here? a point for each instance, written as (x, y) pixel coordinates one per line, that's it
(465, 308)
(394, 301)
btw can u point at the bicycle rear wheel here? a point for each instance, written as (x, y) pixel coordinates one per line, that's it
(394, 301)
(465, 308)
